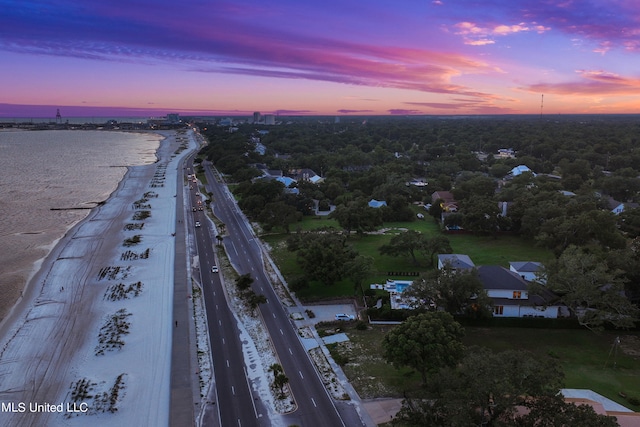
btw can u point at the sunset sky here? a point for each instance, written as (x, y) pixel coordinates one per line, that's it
(329, 57)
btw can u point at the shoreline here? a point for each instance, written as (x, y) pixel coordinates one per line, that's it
(34, 253)
(49, 340)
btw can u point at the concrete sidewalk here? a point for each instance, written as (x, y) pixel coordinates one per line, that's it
(183, 371)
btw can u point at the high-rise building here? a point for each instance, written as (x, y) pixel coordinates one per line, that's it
(269, 119)
(256, 117)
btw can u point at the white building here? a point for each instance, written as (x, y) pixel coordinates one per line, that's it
(510, 295)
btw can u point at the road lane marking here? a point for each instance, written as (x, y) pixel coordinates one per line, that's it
(220, 322)
(281, 333)
(227, 363)
(301, 376)
(314, 402)
(290, 352)
(233, 391)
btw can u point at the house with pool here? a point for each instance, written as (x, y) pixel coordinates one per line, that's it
(508, 289)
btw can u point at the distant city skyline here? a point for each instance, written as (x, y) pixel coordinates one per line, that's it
(286, 57)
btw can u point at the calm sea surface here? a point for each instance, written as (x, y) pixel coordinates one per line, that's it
(40, 170)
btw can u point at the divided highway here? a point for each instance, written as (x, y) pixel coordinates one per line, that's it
(231, 402)
(315, 406)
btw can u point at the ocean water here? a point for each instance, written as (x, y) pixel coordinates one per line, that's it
(45, 170)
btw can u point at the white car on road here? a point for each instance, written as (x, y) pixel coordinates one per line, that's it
(342, 316)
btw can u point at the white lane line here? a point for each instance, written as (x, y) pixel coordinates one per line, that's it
(233, 391)
(281, 333)
(301, 376)
(314, 402)
(290, 352)
(227, 363)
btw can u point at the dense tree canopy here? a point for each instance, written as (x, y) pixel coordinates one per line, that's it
(413, 244)
(487, 388)
(456, 292)
(589, 288)
(425, 342)
(324, 256)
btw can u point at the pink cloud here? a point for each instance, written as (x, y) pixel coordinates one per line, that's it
(402, 112)
(592, 82)
(476, 35)
(343, 111)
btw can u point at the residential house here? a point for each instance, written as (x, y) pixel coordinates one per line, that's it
(619, 207)
(305, 175)
(510, 295)
(418, 182)
(526, 269)
(506, 153)
(455, 262)
(520, 169)
(448, 202)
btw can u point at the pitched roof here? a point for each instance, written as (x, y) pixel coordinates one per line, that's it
(520, 169)
(446, 196)
(456, 261)
(526, 266)
(498, 277)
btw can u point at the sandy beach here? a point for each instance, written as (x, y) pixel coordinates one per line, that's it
(42, 196)
(92, 332)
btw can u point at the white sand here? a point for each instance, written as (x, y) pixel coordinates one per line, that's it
(49, 341)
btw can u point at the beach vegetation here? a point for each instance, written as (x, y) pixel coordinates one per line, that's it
(141, 215)
(131, 241)
(111, 334)
(114, 272)
(134, 226)
(121, 291)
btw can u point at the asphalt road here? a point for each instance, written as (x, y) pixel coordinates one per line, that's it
(314, 405)
(231, 402)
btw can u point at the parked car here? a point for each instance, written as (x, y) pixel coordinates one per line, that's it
(214, 269)
(197, 224)
(342, 316)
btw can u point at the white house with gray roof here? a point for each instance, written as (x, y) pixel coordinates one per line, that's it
(526, 269)
(510, 295)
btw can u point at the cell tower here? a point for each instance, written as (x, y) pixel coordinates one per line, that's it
(58, 116)
(541, 105)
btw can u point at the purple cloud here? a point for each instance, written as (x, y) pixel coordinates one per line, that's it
(343, 111)
(605, 23)
(592, 83)
(226, 43)
(402, 112)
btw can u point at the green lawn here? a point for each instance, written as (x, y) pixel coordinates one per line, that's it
(482, 250)
(585, 357)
